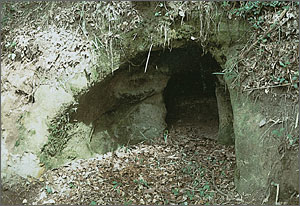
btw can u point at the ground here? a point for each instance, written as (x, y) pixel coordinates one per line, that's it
(182, 167)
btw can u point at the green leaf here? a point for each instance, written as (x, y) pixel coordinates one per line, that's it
(175, 191)
(276, 132)
(49, 190)
(282, 80)
(295, 86)
(294, 78)
(282, 64)
(93, 203)
(206, 187)
(157, 13)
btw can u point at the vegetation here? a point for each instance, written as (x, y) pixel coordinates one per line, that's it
(58, 128)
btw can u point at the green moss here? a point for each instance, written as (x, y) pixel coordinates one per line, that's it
(230, 76)
(58, 137)
(22, 130)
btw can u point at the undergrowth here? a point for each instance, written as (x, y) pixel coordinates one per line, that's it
(58, 138)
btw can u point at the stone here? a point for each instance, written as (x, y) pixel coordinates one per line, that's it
(262, 122)
(226, 132)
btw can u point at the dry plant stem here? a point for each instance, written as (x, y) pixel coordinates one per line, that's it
(296, 124)
(148, 58)
(275, 122)
(265, 34)
(91, 133)
(277, 194)
(282, 85)
(213, 181)
(111, 56)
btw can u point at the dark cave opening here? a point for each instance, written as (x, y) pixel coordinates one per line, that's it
(188, 100)
(190, 96)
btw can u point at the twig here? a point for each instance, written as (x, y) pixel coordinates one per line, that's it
(275, 122)
(296, 124)
(282, 85)
(277, 194)
(111, 56)
(148, 57)
(265, 34)
(213, 181)
(146, 137)
(91, 133)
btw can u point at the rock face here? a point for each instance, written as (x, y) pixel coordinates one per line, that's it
(260, 151)
(126, 109)
(226, 132)
(144, 121)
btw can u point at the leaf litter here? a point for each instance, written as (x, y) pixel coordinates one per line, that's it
(189, 170)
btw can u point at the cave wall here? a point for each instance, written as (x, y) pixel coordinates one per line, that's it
(261, 154)
(226, 132)
(125, 109)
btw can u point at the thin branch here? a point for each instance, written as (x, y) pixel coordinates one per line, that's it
(282, 85)
(148, 58)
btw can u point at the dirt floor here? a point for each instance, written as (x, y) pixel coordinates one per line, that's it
(182, 167)
(194, 115)
(185, 166)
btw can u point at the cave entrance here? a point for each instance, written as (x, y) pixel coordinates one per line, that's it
(179, 90)
(190, 104)
(190, 94)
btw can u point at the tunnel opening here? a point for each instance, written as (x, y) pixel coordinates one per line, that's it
(190, 103)
(178, 90)
(190, 94)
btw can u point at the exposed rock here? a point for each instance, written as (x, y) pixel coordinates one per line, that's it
(258, 153)
(48, 101)
(226, 133)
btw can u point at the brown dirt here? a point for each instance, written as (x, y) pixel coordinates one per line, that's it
(13, 193)
(185, 167)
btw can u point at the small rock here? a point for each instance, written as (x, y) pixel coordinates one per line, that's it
(51, 201)
(24, 201)
(262, 122)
